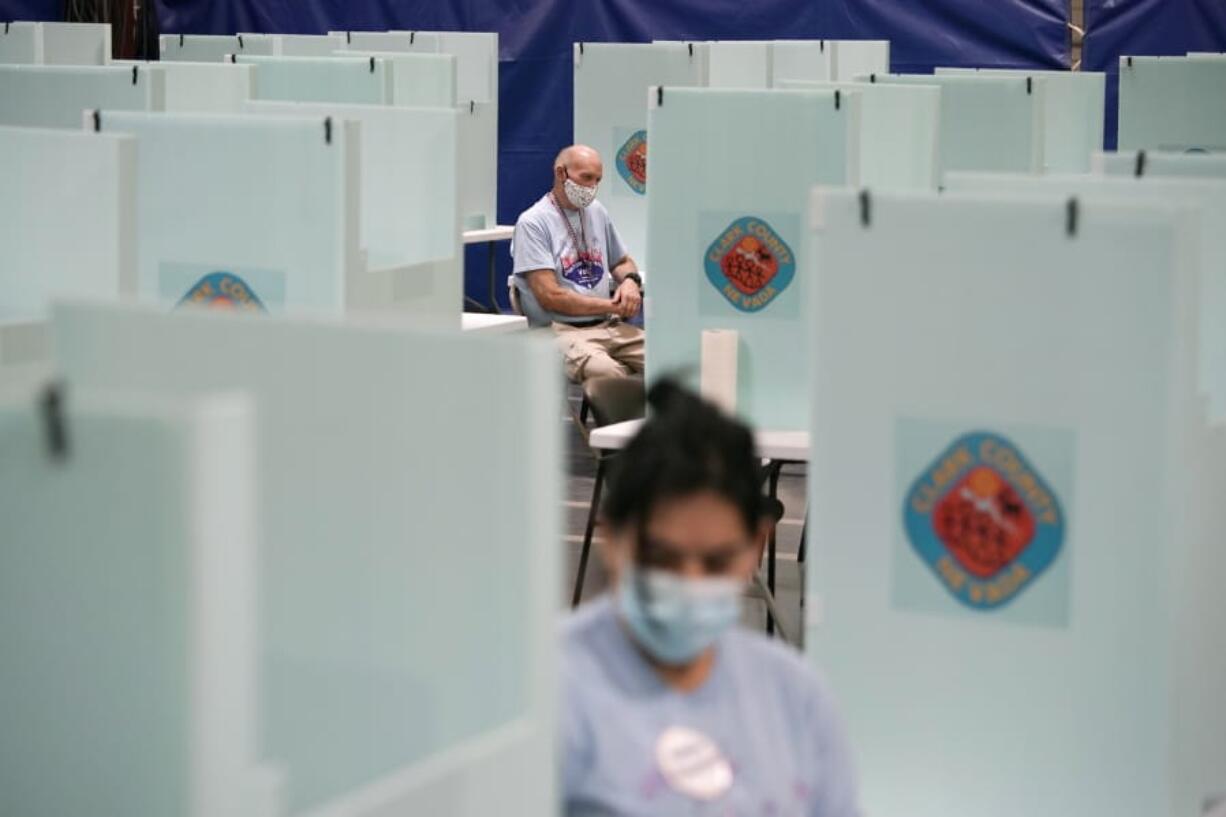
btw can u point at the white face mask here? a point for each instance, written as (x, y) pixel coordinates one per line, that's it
(579, 195)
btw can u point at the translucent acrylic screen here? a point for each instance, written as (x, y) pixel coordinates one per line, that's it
(899, 132)
(422, 80)
(322, 79)
(730, 173)
(611, 82)
(476, 55)
(1159, 163)
(408, 184)
(396, 621)
(1073, 116)
(295, 45)
(478, 146)
(211, 47)
(854, 58)
(269, 199)
(987, 123)
(1208, 198)
(55, 178)
(104, 706)
(57, 96)
(1172, 103)
(19, 43)
(801, 60)
(733, 64)
(205, 87)
(982, 317)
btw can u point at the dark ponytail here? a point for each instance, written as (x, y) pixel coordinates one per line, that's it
(686, 446)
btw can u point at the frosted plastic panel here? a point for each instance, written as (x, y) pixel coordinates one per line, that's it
(374, 654)
(20, 43)
(293, 45)
(899, 132)
(55, 178)
(76, 43)
(1072, 118)
(1067, 361)
(987, 123)
(203, 87)
(854, 58)
(611, 82)
(56, 96)
(212, 47)
(1157, 163)
(476, 55)
(425, 80)
(272, 203)
(1172, 103)
(24, 350)
(409, 204)
(126, 616)
(1209, 201)
(739, 64)
(801, 60)
(731, 171)
(321, 79)
(478, 131)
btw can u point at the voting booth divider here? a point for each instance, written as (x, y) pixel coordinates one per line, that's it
(1141, 163)
(987, 122)
(900, 132)
(420, 80)
(1172, 104)
(55, 43)
(293, 45)
(53, 96)
(373, 652)
(212, 47)
(410, 225)
(611, 84)
(1206, 203)
(362, 81)
(1073, 117)
(127, 613)
(731, 171)
(764, 64)
(1014, 539)
(201, 87)
(57, 180)
(247, 212)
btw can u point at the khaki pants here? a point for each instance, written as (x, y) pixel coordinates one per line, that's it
(609, 349)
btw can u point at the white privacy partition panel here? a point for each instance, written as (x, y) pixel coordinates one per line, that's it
(611, 82)
(987, 122)
(424, 80)
(56, 43)
(362, 81)
(202, 87)
(855, 58)
(373, 654)
(410, 229)
(1159, 163)
(55, 96)
(476, 55)
(1073, 117)
(245, 212)
(211, 47)
(67, 217)
(900, 128)
(1013, 516)
(731, 172)
(739, 64)
(127, 616)
(1172, 103)
(1207, 202)
(293, 45)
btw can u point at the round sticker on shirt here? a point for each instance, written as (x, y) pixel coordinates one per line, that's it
(692, 764)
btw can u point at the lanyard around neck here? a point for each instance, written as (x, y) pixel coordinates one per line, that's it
(579, 250)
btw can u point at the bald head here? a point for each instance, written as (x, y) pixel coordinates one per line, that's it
(577, 156)
(581, 165)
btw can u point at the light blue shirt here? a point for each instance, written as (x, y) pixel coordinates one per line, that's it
(766, 710)
(581, 257)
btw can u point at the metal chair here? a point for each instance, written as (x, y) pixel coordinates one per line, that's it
(607, 400)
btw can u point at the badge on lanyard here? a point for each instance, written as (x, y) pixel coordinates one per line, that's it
(692, 764)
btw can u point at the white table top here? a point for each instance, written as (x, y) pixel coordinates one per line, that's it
(772, 445)
(502, 232)
(493, 324)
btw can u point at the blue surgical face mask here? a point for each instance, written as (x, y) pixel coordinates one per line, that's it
(674, 619)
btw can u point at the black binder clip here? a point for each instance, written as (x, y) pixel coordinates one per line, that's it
(133, 74)
(372, 65)
(327, 130)
(51, 405)
(866, 208)
(97, 120)
(872, 78)
(412, 37)
(1139, 170)
(691, 47)
(472, 106)
(838, 99)
(1071, 217)
(240, 41)
(659, 96)
(1029, 85)
(581, 48)
(180, 41)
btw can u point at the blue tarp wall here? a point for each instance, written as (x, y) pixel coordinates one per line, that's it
(536, 38)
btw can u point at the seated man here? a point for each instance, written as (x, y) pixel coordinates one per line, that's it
(572, 272)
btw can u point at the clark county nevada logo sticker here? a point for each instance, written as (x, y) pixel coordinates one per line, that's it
(632, 162)
(222, 290)
(984, 520)
(750, 264)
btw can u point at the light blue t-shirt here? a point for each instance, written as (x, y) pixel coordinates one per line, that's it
(767, 712)
(542, 241)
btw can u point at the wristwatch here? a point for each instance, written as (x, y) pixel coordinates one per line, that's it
(634, 276)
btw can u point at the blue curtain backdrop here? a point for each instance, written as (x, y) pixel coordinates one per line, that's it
(536, 37)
